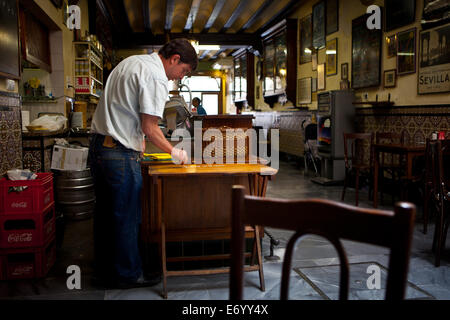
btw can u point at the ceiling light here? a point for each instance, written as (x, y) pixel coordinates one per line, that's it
(208, 47)
(194, 43)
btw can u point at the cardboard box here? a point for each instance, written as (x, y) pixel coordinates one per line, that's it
(69, 158)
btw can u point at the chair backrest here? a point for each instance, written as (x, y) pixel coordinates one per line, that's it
(389, 137)
(311, 132)
(332, 220)
(430, 162)
(441, 167)
(356, 148)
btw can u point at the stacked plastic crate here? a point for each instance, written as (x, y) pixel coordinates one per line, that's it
(27, 227)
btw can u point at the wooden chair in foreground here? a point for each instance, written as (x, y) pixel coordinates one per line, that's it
(332, 220)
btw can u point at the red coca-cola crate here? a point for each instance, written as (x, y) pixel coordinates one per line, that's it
(35, 196)
(28, 263)
(27, 230)
(2, 267)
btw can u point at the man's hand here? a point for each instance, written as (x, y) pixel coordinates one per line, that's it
(179, 156)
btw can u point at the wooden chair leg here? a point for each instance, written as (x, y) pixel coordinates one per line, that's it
(439, 236)
(345, 184)
(425, 209)
(356, 186)
(254, 253)
(260, 262)
(163, 260)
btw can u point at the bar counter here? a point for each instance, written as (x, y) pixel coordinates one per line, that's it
(193, 202)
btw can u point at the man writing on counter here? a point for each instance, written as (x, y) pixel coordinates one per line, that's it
(130, 107)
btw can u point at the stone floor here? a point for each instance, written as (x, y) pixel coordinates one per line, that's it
(314, 275)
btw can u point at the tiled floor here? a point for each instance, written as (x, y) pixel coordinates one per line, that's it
(314, 275)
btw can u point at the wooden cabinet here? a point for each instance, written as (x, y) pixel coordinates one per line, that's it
(35, 42)
(280, 61)
(88, 68)
(244, 77)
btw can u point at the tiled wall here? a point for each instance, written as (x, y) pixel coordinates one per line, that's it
(290, 125)
(416, 122)
(10, 132)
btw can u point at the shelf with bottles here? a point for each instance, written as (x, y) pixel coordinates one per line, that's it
(88, 85)
(88, 71)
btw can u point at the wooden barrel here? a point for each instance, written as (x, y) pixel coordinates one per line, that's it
(74, 193)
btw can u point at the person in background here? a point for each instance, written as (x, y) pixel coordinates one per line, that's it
(129, 109)
(197, 103)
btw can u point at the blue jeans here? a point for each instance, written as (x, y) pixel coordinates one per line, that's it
(118, 181)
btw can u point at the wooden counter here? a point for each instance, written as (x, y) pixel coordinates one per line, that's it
(193, 202)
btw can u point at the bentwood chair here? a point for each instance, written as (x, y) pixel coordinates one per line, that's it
(441, 195)
(332, 220)
(428, 182)
(391, 165)
(358, 157)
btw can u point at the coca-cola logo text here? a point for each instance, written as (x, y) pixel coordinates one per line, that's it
(20, 237)
(18, 271)
(22, 204)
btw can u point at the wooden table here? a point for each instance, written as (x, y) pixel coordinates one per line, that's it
(193, 202)
(408, 151)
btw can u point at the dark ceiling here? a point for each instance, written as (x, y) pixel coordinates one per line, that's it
(232, 24)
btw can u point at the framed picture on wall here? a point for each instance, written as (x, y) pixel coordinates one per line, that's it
(406, 51)
(304, 90)
(391, 46)
(389, 79)
(305, 39)
(321, 76)
(332, 16)
(9, 39)
(399, 13)
(332, 57)
(434, 64)
(318, 23)
(366, 54)
(344, 71)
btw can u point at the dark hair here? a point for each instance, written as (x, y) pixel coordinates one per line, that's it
(197, 99)
(183, 48)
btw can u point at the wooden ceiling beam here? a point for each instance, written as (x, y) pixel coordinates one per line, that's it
(192, 14)
(236, 13)
(217, 54)
(204, 54)
(146, 16)
(170, 7)
(289, 8)
(118, 15)
(243, 40)
(253, 18)
(218, 7)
